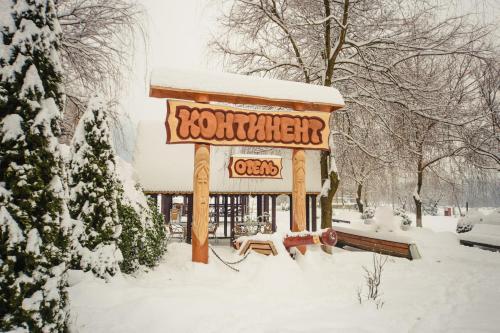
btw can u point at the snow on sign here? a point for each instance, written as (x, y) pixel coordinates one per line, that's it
(255, 166)
(229, 126)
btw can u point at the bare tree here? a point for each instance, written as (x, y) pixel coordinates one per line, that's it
(96, 46)
(355, 45)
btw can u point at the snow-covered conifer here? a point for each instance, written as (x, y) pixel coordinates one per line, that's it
(405, 219)
(143, 239)
(33, 213)
(94, 191)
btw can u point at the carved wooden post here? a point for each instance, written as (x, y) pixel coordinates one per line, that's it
(299, 188)
(201, 197)
(201, 201)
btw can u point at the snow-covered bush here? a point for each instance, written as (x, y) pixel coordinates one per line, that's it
(143, 238)
(368, 214)
(405, 219)
(385, 219)
(430, 207)
(34, 219)
(467, 222)
(94, 191)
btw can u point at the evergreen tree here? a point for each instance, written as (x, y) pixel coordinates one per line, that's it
(155, 235)
(94, 191)
(33, 214)
(143, 239)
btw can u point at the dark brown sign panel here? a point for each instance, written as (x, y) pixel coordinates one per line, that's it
(255, 167)
(228, 126)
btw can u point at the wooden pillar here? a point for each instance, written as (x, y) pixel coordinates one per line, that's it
(273, 212)
(166, 205)
(266, 203)
(184, 204)
(290, 204)
(201, 202)
(225, 214)
(242, 206)
(313, 211)
(216, 205)
(232, 218)
(299, 192)
(259, 206)
(201, 197)
(307, 213)
(189, 218)
(154, 197)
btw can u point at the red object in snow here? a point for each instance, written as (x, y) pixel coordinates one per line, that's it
(327, 237)
(447, 212)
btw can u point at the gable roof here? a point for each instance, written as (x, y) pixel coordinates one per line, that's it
(242, 89)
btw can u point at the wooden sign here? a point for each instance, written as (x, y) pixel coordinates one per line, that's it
(189, 122)
(255, 166)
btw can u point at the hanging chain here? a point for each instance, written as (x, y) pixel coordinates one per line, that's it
(228, 263)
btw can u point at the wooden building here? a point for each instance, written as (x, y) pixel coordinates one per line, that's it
(165, 171)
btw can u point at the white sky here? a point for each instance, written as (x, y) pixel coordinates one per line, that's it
(177, 33)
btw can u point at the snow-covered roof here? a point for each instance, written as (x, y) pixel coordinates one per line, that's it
(243, 89)
(163, 168)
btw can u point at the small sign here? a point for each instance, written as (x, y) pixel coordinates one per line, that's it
(189, 122)
(253, 166)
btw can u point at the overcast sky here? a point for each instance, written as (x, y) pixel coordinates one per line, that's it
(177, 35)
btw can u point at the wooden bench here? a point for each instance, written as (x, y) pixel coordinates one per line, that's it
(482, 245)
(392, 248)
(340, 221)
(262, 247)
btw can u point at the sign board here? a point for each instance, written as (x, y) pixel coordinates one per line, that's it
(254, 166)
(189, 122)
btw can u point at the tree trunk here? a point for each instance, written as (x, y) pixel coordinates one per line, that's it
(326, 201)
(358, 198)
(416, 195)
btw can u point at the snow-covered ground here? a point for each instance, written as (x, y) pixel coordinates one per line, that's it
(453, 288)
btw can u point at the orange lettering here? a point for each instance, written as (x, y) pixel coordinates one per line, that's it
(207, 124)
(224, 125)
(316, 125)
(287, 129)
